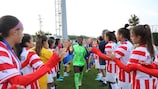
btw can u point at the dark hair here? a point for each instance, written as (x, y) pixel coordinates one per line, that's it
(111, 36)
(26, 38)
(57, 41)
(104, 31)
(39, 43)
(146, 37)
(79, 40)
(18, 47)
(80, 37)
(51, 41)
(100, 38)
(52, 38)
(6, 23)
(125, 32)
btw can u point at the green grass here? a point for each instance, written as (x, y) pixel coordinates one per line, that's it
(88, 81)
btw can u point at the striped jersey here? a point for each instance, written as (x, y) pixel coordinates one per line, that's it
(156, 60)
(110, 65)
(123, 52)
(54, 69)
(9, 65)
(141, 79)
(30, 62)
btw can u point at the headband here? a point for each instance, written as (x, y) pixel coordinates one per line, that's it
(19, 26)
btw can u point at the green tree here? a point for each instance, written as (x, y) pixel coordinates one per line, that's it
(40, 32)
(48, 33)
(134, 20)
(34, 38)
(155, 38)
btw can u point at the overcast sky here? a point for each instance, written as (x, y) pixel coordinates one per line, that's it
(84, 17)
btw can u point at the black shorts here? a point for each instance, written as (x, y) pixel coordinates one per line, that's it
(102, 61)
(78, 69)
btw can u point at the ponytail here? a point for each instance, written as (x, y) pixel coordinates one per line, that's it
(1, 37)
(125, 32)
(111, 36)
(146, 37)
(126, 25)
(149, 40)
(39, 43)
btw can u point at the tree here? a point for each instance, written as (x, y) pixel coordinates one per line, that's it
(48, 33)
(155, 37)
(134, 20)
(40, 32)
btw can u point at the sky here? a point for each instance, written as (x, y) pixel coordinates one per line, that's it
(84, 17)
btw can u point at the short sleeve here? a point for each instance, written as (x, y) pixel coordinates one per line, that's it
(108, 48)
(35, 60)
(7, 68)
(120, 51)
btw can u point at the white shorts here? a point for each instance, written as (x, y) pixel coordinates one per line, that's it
(111, 77)
(49, 78)
(124, 85)
(54, 74)
(102, 67)
(97, 65)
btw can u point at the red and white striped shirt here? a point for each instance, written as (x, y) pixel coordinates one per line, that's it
(123, 53)
(9, 66)
(142, 80)
(30, 62)
(156, 60)
(54, 69)
(110, 66)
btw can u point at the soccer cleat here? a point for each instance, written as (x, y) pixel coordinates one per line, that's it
(80, 83)
(59, 79)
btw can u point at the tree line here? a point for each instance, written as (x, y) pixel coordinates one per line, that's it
(132, 21)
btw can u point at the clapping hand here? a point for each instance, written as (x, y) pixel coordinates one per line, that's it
(111, 55)
(60, 52)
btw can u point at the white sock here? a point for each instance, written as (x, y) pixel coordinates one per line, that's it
(114, 86)
(100, 74)
(52, 87)
(101, 78)
(104, 80)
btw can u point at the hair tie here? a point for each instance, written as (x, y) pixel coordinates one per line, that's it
(145, 26)
(126, 25)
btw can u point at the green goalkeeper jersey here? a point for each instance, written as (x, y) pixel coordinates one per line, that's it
(79, 55)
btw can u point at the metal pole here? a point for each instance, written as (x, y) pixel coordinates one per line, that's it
(64, 20)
